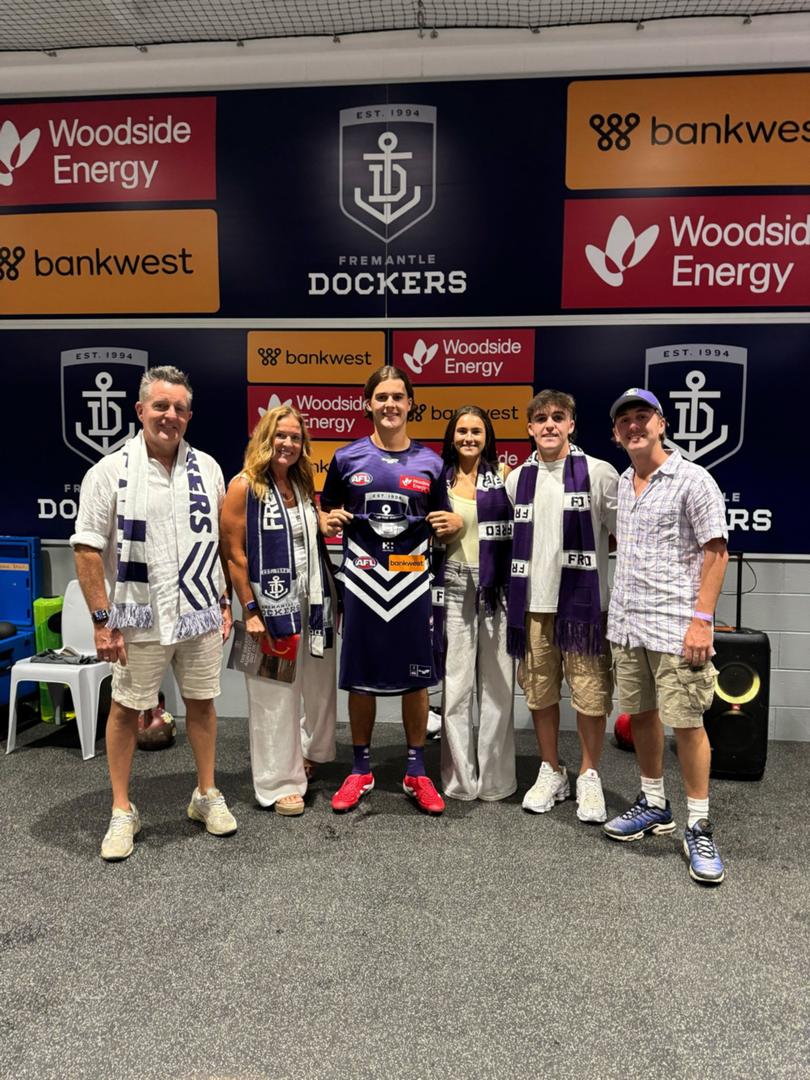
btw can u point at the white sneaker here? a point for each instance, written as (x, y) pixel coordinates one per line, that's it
(549, 787)
(118, 839)
(590, 797)
(212, 809)
(434, 724)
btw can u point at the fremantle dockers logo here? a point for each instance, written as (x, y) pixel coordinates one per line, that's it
(702, 391)
(99, 391)
(387, 166)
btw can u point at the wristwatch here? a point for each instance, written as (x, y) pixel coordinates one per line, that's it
(100, 615)
(224, 601)
(251, 605)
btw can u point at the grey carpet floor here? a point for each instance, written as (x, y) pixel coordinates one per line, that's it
(487, 943)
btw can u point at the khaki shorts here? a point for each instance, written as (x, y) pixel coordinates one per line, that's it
(654, 680)
(196, 664)
(540, 672)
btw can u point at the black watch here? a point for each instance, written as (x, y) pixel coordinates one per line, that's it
(100, 615)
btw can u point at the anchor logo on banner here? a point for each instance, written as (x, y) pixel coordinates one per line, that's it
(387, 166)
(99, 391)
(702, 390)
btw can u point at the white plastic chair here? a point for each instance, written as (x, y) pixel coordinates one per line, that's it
(84, 680)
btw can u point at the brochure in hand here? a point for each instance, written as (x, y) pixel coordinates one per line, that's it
(265, 659)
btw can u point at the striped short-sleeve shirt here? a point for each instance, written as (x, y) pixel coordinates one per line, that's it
(659, 557)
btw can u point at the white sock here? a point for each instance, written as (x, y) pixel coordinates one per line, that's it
(653, 789)
(697, 808)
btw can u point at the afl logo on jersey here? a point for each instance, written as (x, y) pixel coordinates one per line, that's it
(361, 479)
(365, 562)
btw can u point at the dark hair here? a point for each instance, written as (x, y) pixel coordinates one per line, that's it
(381, 375)
(544, 398)
(490, 452)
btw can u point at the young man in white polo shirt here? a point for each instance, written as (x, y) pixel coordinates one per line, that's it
(670, 563)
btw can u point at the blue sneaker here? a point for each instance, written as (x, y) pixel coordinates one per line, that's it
(705, 864)
(640, 819)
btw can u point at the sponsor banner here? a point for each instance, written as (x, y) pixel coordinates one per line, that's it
(697, 131)
(126, 150)
(314, 356)
(716, 251)
(330, 412)
(109, 262)
(436, 405)
(465, 356)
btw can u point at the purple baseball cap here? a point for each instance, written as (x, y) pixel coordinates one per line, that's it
(635, 396)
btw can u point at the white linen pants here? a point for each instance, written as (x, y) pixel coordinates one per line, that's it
(291, 721)
(476, 662)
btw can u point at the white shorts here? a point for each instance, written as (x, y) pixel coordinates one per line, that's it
(196, 664)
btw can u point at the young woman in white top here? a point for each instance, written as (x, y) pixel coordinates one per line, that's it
(476, 660)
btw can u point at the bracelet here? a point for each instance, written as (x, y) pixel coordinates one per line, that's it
(704, 616)
(224, 601)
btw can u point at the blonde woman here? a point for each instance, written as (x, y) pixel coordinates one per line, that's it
(280, 572)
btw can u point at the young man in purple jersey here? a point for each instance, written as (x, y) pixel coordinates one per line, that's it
(384, 492)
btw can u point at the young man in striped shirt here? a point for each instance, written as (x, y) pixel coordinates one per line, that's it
(670, 562)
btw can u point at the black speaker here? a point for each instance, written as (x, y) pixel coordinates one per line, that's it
(737, 720)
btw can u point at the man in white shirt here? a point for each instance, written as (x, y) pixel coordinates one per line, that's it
(564, 513)
(670, 562)
(148, 521)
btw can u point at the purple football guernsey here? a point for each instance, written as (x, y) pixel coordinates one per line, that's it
(385, 573)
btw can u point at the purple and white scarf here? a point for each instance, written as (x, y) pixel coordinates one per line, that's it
(197, 529)
(494, 513)
(578, 622)
(272, 571)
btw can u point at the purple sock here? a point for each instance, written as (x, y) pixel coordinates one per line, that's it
(416, 761)
(362, 760)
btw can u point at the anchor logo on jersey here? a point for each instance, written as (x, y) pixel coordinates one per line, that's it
(387, 512)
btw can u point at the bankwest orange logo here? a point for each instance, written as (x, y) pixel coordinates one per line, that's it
(410, 564)
(702, 131)
(127, 261)
(333, 357)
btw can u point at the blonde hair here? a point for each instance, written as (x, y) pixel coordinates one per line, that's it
(260, 453)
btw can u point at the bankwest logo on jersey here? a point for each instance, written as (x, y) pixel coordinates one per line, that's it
(695, 252)
(156, 149)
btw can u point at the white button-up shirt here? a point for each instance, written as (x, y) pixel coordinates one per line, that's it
(659, 559)
(96, 527)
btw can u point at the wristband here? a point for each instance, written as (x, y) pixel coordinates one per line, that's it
(704, 616)
(251, 605)
(224, 601)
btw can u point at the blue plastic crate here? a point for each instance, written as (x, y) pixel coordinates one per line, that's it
(13, 649)
(20, 578)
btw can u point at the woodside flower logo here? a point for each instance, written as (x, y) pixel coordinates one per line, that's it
(623, 250)
(14, 151)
